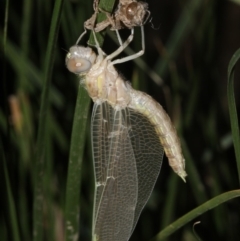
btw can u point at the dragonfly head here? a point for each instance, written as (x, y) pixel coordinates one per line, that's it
(80, 59)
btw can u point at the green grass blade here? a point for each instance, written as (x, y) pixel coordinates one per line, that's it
(106, 5)
(14, 234)
(4, 80)
(194, 179)
(232, 108)
(212, 203)
(170, 207)
(25, 35)
(75, 165)
(42, 129)
(178, 36)
(20, 61)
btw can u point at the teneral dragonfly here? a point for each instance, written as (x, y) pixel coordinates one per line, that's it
(130, 131)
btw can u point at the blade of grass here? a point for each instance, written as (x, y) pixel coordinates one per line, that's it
(178, 36)
(106, 5)
(236, 1)
(25, 34)
(42, 129)
(214, 202)
(24, 139)
(232, 108)
(169, 208)
(4, 80)
(71, 30)
(18, 61)
(11, 212)
(72, 211)
(195, 181)
(14, 233)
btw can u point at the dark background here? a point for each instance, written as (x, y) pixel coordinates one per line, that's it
(189, 44)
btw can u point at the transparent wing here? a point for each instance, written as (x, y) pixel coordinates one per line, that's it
(148, 152)
(115, 174)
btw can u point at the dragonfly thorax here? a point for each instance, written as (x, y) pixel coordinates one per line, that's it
(103, 83)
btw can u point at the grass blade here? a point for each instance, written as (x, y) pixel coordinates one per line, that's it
(232, 108)
(15, 235)
(75, 165)
(4, 80)
(212, 203)
(42, 129)
(106, 5)
(178, 36)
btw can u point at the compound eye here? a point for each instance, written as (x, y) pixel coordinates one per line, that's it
(78, 65)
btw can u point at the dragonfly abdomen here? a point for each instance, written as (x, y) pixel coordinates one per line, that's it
(147, 106)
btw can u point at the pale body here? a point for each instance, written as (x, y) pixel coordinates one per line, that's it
(103, 83)
(129, 132)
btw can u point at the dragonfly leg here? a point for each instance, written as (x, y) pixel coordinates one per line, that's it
(100, 51)
(80, 37)
(119, 37)
(124, 45)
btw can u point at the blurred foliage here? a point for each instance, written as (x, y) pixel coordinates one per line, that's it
(188, 47)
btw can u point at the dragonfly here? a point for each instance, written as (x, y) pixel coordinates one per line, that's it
(130, 132)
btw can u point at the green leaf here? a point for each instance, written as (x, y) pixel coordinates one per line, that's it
(106, 5)
(13, 220)
(232, 108)
(40, 161)
(72, 211)
(179, 34)
(212, 203)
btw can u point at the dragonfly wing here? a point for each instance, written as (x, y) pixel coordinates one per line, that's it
(115, 174)
(100, 147)
(148, 152)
